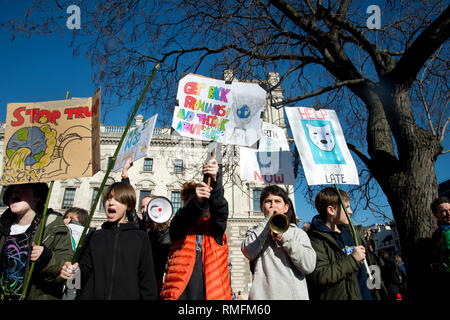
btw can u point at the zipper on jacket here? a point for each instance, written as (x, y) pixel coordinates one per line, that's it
(113, 266)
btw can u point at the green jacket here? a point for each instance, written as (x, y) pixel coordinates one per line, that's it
(334, 277)
(45, 283)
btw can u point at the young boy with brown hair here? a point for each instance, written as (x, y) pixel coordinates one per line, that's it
(281, 261)
(338, 259)
(117, 262)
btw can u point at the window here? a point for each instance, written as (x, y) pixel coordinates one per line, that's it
(110, 159)
(94, 194)
(148, 164)
(178, 166)
(176, 201)
(69, 196)
(256, 198)
(142, 195)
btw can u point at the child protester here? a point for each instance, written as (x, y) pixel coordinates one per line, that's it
(19, 231)
(117, 262)
(339, 273)
(281, 261)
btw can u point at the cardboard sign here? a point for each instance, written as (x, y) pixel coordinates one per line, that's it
(321, 144)
(136, 143)
(266, 167)
(53, 140)
(209, 109)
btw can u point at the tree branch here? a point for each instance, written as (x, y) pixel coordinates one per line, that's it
(422, 48)
(319, 92)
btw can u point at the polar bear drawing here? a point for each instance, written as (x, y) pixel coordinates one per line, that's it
(322, 137)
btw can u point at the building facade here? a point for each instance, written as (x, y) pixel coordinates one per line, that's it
(171, 161)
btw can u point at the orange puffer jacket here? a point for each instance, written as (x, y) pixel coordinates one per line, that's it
(181, 263)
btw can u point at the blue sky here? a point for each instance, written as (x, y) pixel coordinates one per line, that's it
(42, 68)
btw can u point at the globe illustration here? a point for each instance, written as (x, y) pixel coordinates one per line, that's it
(243, 111)
(32, 138)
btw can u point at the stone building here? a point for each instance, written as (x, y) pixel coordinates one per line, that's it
(171, 161)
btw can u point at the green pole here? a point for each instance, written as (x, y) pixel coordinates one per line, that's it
(355, 238)
(111, 165)
(40, 235)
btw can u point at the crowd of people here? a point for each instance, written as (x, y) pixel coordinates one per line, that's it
(187, 259)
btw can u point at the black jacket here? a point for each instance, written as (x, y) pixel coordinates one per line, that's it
(117, 264)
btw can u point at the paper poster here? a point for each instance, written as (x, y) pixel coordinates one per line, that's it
(273, 138)
(266, 167)
(209, 109)
(136, 143)
(52, 140)
(321, 144)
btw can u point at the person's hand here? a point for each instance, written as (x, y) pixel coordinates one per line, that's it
(202, 191)
(211, 168)
(36, 251)
(68, 270)
(128, 164)
(359, 253)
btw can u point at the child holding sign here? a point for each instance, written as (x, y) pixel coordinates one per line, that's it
(19, 229)
(339, 261)
(117, 261)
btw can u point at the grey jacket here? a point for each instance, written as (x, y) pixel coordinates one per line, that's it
(279, 271)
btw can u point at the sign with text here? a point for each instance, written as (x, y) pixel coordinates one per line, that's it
(266, 167)
(272, 138)
(52, 140)
(321, 144)
(136, 143)
(212, 110)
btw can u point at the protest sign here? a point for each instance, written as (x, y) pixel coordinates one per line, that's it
(321, 144)
(52, 140)
(212, 110)
(272, 138)
(136, 143)
(266, 167)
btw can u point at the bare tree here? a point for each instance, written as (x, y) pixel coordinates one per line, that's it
(390, 84)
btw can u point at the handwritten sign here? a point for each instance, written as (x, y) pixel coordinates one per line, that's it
(266, 167)
(52, 140)
(321, 144)
(209, 109)
(272, 138)
(136, 143)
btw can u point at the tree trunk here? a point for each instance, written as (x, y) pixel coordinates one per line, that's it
(408, 180)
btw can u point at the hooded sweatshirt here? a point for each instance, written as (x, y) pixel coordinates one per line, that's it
(280, 267)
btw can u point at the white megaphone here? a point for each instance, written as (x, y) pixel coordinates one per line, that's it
(159, 209)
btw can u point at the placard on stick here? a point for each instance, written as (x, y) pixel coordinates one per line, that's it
(136, 143)
(321, 144)
(52, 140)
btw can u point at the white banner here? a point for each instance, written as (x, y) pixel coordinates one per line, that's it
(272, 139)
(136, 143)
(212, 110)
(321, 144)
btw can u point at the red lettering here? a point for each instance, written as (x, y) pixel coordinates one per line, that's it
(18, 116)
(189, 102)
(33, 113)
(220, 111)
(70, 112)
(190, 88)
(302, 112)
(257, 175)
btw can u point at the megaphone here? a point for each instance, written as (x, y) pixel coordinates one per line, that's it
(159, 209)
